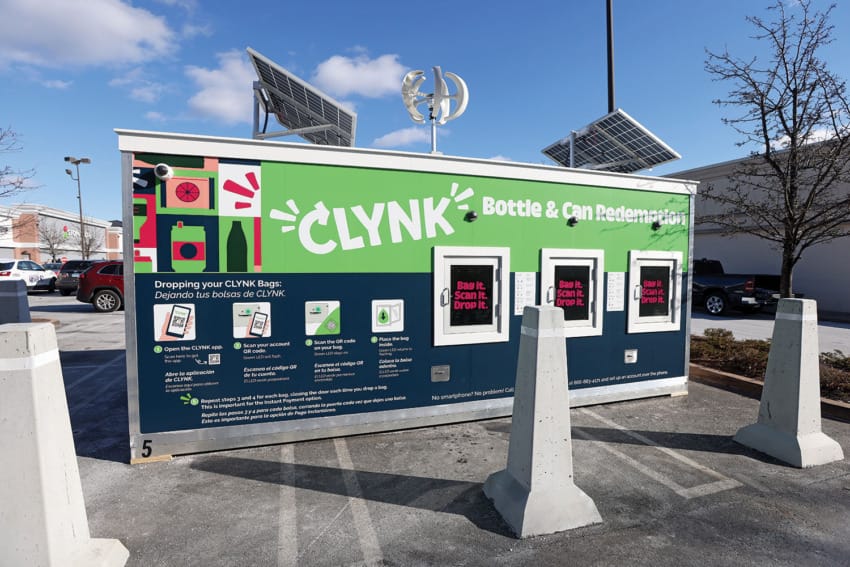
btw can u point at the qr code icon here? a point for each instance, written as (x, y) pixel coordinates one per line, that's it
(214, 358)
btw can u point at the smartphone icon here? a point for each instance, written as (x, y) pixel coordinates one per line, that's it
(179, 321)
(258, 324)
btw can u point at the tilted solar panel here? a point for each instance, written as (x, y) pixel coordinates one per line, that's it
(615, 142)
(297, 105)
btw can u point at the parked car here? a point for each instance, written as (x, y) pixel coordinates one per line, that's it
(34, 275)
(69, 275)
(54, 266)
(718, 291)
(102, 285)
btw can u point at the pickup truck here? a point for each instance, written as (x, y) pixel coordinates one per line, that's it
(718, 291)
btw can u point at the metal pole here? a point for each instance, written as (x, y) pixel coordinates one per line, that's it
(83, 245)
(573, 148)
(610, 18)
(433, 136)
(76, 162)
(433, 118)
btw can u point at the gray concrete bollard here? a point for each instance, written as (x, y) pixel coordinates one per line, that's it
(43, 518)
(789, 420)
(14, 305)
(536, 494)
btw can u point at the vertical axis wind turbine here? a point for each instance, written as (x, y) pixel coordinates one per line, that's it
(439, 102)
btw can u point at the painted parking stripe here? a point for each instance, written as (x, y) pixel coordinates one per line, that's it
(287, 530)
(87, 377)
(362, 521)
(722, 483)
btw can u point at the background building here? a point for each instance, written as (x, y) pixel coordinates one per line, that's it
(44, 234)
(823, 273)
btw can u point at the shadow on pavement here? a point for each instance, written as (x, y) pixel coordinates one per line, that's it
(96, 390)
(65, 308)
(398, 489)
(704, 442)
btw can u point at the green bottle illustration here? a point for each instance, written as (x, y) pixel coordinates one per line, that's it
(237, 249)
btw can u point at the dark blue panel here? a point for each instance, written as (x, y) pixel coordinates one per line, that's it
(215, 378)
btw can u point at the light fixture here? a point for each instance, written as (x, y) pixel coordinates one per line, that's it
(76, 163)
(470, 216)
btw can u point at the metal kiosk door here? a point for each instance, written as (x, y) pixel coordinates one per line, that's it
(471, 303)
(572, 280)
(655, 297)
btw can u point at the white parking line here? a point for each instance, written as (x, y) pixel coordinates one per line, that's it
(84, 377)
(287, 530)
(722, 483)
(362, 521)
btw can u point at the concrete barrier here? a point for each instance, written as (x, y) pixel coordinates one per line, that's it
(536, 494)
(789, 420)
(14, 305)
(43, 518)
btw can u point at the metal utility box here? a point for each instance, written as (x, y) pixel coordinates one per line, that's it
(278, 292)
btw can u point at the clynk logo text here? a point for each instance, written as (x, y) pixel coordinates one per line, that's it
(411, 220)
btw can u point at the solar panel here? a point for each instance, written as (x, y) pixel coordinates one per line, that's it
(615, 142)
(299, 107)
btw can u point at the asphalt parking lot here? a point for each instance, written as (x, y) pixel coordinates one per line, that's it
(671, 485)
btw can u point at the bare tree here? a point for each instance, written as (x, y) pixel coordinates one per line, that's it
(89, 243)
(53, 238)
(793, 190)
(12, 180)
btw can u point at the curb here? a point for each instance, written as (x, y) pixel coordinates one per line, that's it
(832, 409)
(54, 322)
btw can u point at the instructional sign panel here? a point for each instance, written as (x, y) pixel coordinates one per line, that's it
(276, 291)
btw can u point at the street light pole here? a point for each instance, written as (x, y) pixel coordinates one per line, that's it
(76, 162)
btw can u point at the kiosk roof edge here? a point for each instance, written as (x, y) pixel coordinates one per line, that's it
(246, 148)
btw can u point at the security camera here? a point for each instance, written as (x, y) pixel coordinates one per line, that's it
(163, 171)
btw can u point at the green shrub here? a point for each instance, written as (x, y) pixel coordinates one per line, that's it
(718, 349)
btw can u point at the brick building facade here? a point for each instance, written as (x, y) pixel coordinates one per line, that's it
(44, 234)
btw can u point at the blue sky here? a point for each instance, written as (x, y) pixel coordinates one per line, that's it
(71, 71)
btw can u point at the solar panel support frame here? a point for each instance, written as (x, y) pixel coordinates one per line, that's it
(265, 94)
(630, 160)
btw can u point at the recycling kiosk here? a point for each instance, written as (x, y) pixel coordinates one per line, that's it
(279, 291)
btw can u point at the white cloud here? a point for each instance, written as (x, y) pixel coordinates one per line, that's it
(373, 78)
(403, 137)
(225, 93)
(189, 31)
(139, 86)
(188, 5)
(154, 116)
(56, 84)
(817, 135)
(58, 33)
(150, 92)
(500, 158)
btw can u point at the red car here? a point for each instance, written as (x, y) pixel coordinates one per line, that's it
(102, 285)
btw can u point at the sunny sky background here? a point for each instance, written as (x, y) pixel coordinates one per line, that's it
(71, 71)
